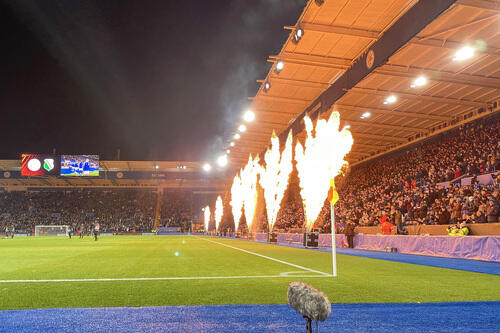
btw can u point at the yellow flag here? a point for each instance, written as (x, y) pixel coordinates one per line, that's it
(333, 195)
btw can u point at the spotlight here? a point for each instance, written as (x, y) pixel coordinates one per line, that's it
(299, 32)
(207, 167)
(365, 115)
(237, 136)
(242, 128)
(267, 86)
(156, 167)
(249, 116)
(279, 66)
(419, 82)
(222, 161)
(232, 144)
(228, 151)
(390, 99)
(464, 53)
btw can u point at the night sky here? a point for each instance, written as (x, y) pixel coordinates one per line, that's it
(161, 80)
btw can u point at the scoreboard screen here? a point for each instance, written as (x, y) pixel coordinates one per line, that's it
(39, 165)
(80, 165)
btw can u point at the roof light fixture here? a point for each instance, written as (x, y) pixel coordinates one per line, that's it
(279, 66)
(222, 161)
(249, 116)
(464, 53)
(390, 99)
(419, 82)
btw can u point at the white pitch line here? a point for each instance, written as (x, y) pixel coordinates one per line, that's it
(266, 257)
(164, 278)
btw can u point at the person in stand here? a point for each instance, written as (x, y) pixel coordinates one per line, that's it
(82, 230)
(96, 230)
(349, 232)
(12, 230)
(386, 225)
(70, 232)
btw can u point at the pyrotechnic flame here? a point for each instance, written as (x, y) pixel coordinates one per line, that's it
(320, 161)
(249, 188)
(218, 212)
(274, 177)
(207, 217)
(236, 200)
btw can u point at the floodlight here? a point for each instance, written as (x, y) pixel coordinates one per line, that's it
(390, 99)
(267, 86)
(207, 167)
(242, 128)
(222, 161)
(249, 116)
(464, 53)
(279, 66)
(232, 144)
(419, 82)
(237, 136)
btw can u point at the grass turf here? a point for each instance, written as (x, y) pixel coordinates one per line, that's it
(361, 280)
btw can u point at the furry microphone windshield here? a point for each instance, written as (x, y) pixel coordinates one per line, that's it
(308, 301)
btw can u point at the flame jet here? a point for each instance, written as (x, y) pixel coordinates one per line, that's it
(319, 161)
(236, 201)
(274, 177)
(207, 217)
(219, 210)
(249, 175)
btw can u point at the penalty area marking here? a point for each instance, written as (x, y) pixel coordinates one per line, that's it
(266, 257)
(166, 278)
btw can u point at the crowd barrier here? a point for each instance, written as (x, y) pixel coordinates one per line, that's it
(480, 229)
(468, 247)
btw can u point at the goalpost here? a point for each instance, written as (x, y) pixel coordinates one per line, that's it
(52, 230)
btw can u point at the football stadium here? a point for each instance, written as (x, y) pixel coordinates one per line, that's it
(358, 190)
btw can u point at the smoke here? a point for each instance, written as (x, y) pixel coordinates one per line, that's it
(256, 33)
(308, 301)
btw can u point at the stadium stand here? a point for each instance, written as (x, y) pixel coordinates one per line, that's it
(448, 179)
(118, 211)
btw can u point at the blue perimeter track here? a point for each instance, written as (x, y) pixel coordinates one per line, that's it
(389, 317)
(469, 265)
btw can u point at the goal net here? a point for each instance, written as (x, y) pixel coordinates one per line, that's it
(51, 230)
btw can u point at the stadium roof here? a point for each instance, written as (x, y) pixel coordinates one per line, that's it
(353, 54)
(123, 174)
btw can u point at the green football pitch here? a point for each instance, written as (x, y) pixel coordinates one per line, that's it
(56, 272)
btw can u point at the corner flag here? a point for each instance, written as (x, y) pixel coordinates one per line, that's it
(333, 195)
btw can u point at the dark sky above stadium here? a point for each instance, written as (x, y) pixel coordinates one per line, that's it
(159, 79)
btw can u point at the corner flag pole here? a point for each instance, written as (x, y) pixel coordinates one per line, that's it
(334, 249)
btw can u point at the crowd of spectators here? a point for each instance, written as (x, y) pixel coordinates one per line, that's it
(415, 186)
(117, 211)
(176, 209)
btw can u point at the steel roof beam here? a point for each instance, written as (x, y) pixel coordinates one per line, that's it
(281, 99)
(311, 60)
(480, 4)
(386, 126)
(448, 44)
(440, 76)
(378, 137)
(444, 100)
(296, 83)
(335, 29)
(397, 113)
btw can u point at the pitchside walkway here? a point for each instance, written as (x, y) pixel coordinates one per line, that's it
(392, 317)
(469, 265)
